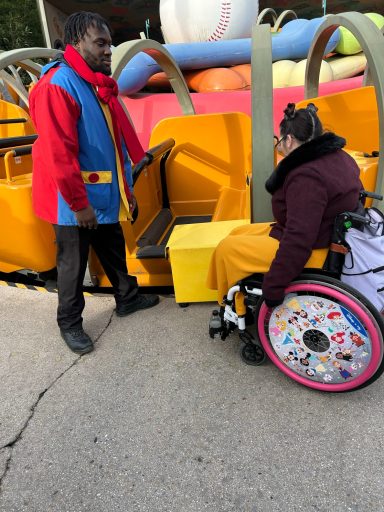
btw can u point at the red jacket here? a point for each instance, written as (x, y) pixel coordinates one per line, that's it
(74, 157)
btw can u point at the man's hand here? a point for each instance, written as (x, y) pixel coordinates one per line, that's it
(86, 218)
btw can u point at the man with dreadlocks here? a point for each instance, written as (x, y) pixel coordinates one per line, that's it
(82, 180)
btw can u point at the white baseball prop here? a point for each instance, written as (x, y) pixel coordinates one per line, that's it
(185, 21)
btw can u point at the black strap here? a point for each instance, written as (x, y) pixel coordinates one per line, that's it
(373, 270)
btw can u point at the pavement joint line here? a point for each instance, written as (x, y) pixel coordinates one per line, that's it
(19, 435)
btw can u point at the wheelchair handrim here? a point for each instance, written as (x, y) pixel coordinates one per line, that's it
(374, 338)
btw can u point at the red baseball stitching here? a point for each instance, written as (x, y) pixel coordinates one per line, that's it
(225, 16)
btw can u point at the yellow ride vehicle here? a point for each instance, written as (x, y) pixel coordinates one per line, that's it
(206, 174)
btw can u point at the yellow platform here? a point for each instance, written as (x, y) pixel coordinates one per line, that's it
(189, 249)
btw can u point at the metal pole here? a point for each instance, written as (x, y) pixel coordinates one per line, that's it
(123, 53)
(324, 7)
(262, 122)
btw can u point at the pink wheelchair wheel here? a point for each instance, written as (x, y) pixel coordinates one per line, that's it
(325, 335)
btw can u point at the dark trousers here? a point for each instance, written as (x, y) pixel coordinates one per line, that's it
(72, 256)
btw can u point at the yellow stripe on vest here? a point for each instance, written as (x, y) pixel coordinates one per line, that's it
(96, 177)
(124, 212)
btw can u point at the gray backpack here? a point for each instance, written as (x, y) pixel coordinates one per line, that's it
(364, 263)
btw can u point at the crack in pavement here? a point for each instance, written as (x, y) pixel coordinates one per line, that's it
(4, 457)
(9, 446)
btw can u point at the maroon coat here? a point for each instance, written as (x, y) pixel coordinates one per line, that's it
(309, 188)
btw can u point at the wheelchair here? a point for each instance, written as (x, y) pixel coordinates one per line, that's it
(325, 335)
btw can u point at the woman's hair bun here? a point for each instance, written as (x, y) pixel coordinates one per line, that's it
(290, 111)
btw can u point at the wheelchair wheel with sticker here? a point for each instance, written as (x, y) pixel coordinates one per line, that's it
(325, 335)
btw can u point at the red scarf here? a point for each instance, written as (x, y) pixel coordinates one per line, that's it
(107, 91)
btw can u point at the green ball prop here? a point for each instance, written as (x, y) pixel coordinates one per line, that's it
(348, 44)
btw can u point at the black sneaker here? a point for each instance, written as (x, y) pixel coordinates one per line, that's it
(139, 302)
(77, 340)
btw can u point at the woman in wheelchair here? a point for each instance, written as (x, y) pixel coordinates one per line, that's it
(314, 182)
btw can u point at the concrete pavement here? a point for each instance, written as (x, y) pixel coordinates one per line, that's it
(160, 418)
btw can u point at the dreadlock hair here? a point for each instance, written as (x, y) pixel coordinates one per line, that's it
(304, 123)
(78, 23)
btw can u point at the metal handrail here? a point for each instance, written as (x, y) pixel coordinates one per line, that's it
(371, 41)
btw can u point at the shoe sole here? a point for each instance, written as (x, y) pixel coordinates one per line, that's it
(138, 309)
(84, 351)
(81, 352)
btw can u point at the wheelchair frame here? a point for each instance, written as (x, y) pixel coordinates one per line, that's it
(325, 335)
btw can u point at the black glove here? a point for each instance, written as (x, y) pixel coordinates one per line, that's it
(272, 303)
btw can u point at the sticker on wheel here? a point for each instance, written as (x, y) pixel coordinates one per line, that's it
(319, 339)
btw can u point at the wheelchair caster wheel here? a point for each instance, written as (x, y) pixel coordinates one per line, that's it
(252, 354)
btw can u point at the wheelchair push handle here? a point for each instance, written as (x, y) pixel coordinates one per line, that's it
(372, 195)
(345, 221)
(354, 217)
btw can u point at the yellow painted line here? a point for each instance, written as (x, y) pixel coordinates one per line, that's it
(41, 289)
(36, 288)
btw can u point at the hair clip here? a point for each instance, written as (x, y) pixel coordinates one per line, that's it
(311, 107)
